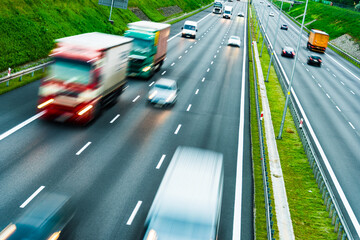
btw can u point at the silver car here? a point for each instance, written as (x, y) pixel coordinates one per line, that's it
(163, 92)
(234, 41)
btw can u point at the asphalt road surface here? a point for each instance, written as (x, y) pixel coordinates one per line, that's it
(110, 166)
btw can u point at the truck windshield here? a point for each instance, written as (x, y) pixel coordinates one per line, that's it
(189, 27)
(142, 45)
(70, 71)
(227, 12)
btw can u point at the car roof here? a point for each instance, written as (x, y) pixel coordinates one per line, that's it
(235, 37)
(165, 82)
(288, 48)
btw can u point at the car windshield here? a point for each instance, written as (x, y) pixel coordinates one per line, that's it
(189, 27)
(288, 49)
(162, 86)
(315, 57)
(142, 45)
(70, 71)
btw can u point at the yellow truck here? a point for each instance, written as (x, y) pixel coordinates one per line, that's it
(318, 40)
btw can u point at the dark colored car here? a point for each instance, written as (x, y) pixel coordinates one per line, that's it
(288, 52)
(314, 60)
(284, 26)
(44, 219)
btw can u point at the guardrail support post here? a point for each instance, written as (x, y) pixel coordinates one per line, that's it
(32, 74)
(336, 228)
(20, 78)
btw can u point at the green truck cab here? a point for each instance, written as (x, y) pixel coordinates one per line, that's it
(149, 47)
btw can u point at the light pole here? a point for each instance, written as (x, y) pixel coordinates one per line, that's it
(292, 74)
(111, 7)
(277, 30)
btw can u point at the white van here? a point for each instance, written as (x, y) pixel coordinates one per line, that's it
(189, 29)
(187, 204)
(228, 10)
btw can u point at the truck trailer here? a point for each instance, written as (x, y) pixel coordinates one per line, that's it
(88, 72)
(318, 40)
(149, 48)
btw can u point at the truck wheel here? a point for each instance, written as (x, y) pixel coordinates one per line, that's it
(158, 66)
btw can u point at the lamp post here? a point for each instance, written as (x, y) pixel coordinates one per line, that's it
(292, 74)
(111, 7)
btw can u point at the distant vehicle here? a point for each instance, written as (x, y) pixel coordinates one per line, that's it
(228, 11)
(241, 14)
(149, 48)
(314, 60)
(88, 73)
(284, 27)
(42, 220)
(318, 41)
(271, 14)
(188, 202)
(189, 29)
(218, 6)
(163, 92)
(288, 52)
(234, 41)
(261, 2)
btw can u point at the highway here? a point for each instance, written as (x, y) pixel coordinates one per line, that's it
(330, 96)
(115, 164)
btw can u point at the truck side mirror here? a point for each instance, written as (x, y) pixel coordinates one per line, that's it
(196, 29)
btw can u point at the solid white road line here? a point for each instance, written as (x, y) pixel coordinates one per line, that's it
(188, 109)
(32, 196)
(21, 125)
(83, 148)
(133, 214)
(177, 129)
(239, 166)
(173, 37)
(137, 97)
(114, 119)
(161, 161)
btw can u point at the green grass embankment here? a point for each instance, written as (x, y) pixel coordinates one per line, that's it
(28, 27)
(335, 21)
(309, 216)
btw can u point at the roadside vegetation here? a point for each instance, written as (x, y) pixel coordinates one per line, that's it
(309, 216)
(28, 27)
(334, 20)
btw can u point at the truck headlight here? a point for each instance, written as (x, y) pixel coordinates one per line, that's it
(145, 69)
(152, 235)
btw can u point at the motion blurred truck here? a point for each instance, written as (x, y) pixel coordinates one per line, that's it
(227, 12)
(149, 47)
(218, 7)
(318, 40)
(88, 73)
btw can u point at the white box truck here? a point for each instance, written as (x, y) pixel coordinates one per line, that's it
(88, 73)
(189, 29)
(228, 11)
(187, 204)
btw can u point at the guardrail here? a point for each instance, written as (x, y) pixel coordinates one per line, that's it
(305, 132)
(336, 49)
(24, 72)
(268, 207)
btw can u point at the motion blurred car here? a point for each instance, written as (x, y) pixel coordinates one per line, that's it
(163, 92)
(288, 52)
(43, 219)
(241, 14)
(314, 60)
(187, 205)
(271, 14)
(234, 41)
(284, 27)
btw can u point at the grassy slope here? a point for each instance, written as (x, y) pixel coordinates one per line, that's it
(28, 27)
(333, 20)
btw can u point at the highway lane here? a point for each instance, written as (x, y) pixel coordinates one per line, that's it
(117, 169)
(329, 96)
